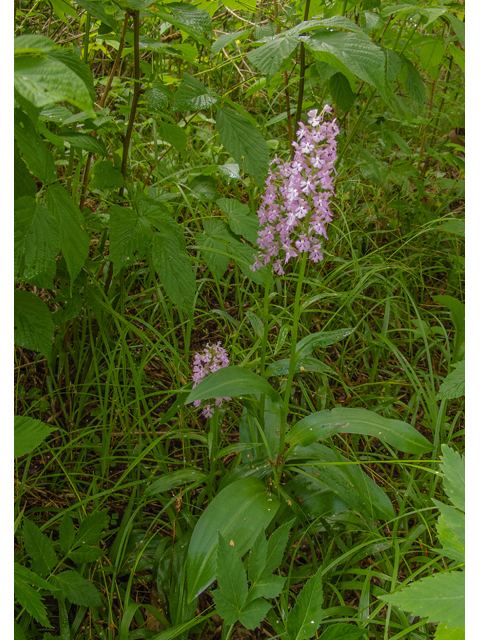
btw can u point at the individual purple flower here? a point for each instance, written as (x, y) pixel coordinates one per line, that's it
(295, 206)
(212, 358)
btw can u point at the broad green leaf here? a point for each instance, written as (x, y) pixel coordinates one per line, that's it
(396, 433)
(192, 95)
(175, 271)
(241, 5)
(453, 470)
(231, 170)
(77, 589)
(441, 598)
(445, 633)
(306, 615)
(240, 220)
(232, 581)
(214, 242)
(74, 240)
(282, 367)
(33, 323)
(225, 39)
(158, 96)
(431, 53)
(239, 512)
(40, 549)
(86, 142)
(19, 634)
(343, 632)
(195, 22)
(32, 43)
(267, 587)
(174, 479)
(341, 91)
(257, 557)
(28, 434)
(324, 71)
(453, 518)
(86, 554)
(130, 236)
(174, 135)
(313, 428)
(276, 548)
(454, 384)
(204, 188)
(448, 527)
(269, 57)
(244, 143)
(352, 52)
(97, 10)
(91, 529)
(458, 27)
(413, 83)
(46, 80)
(314, 499)
(244, 256)
(307, 345)
(232, 382)
(106, 177)
(36, 156)
(66, 533)
(23, 183)
(27, 596)
(254, 612)
(73, 61)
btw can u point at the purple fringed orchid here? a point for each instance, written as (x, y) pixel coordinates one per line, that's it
(295, 206)
(212, 358)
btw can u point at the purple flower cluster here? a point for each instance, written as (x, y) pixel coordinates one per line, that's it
(295, 206)
(212, 358)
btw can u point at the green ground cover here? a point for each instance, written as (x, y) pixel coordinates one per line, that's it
(325, 497)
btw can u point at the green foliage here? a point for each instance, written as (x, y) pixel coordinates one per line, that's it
(28, 433)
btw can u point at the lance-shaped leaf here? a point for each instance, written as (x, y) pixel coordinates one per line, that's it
(193, 95)
(230, 382)
(232, 582)
(27, 596)
(36, 156)
(307, 345)
(77, 589)
(86, 142)
(396, 433)
(39, 548)
(174, 479)
(28, 434)
(239, 512)
(282, 367)
(306, 615)
(244, 143)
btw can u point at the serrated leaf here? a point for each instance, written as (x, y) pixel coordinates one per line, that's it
(214, 243)
(232, 582)
(96, 9)
(452, 546)
(73, 61)
(86, 554)
(42, 81)
(257, 557)
(174, 135)
(307, 345)
(239, 512)
(454, 384)
(269, 57)
(414, 84)
(341, 91)
(240, 219)
(66, 533)
(86, 142)
(267, 587)
(175, 272)
(458, 27)
(130, 236)
(33, 323)
(77, 589)
(106, 177)
(454, 519)
(36, 241)
(276, 548)
(28, 434)
(244, 143)
(35, 153)
(232, 382)
(23, 183)
(192, 95)
(453, 470)
(441, 598)
(27, 596)
(195, 22)
(91, 529)
(39, 548)
(174, 479)
(158, 96)
(74, 240)
(19, 634)
(343, 632)
(253, 613)
(431, 53)
(306, 615)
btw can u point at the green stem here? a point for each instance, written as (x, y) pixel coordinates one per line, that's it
(301, 85)
(266, 301)
(293, 357)
(87, 38)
